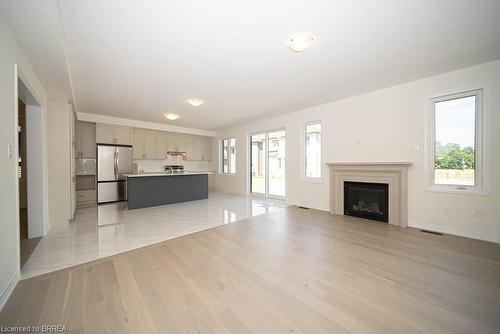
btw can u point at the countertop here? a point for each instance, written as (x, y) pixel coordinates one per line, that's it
(167, 174)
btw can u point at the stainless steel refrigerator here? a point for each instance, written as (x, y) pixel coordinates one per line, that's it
(112, 162)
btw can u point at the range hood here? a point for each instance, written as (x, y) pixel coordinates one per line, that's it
(176, 153)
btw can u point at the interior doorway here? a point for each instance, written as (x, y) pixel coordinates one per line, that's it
(267, 163)
(31, 189)
(27, 245)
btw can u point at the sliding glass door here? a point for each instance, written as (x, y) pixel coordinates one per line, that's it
(267, 163)
(258, 163)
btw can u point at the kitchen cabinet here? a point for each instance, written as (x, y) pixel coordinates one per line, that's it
(154, 145)
(149, 148)
(137, 144)
(206, 149)
(171, 142)
(123, 135)
(113, 134)
(188, 147)
(144, 145)
(85, 140)
(161, 146)
(199, 149)
(176, 142)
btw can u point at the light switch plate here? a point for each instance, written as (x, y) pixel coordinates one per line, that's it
(10, 151)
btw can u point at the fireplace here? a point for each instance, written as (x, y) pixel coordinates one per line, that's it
(367, 200)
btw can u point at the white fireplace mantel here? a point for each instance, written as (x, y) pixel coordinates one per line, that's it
(394, 173)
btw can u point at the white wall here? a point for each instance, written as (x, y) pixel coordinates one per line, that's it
(10, 55)
(58, 139)
(383, 126)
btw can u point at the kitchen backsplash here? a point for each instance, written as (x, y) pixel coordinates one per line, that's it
(157, 165)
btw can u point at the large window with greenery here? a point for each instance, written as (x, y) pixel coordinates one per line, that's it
(456, 140)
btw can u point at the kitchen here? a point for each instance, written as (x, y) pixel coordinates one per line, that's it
(109, 156)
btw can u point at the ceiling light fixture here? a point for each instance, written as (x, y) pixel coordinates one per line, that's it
(300, 42)
(195, 102)
(171, 116)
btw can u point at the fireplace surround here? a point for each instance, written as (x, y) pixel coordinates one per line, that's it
(394, 174)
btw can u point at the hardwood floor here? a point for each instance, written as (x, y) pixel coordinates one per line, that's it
(290, 271)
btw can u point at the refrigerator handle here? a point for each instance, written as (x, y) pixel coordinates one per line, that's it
(116, 165)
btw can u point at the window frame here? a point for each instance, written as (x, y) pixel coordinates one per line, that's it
(229, 159)
(479, 144)
(304, 177)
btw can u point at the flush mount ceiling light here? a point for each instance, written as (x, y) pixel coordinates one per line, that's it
(195, 102)
(171, 116)
(300, 42)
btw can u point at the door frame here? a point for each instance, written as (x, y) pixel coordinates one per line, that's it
(37, 163)
(266, 154)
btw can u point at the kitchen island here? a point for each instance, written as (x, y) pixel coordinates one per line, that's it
(153, 189)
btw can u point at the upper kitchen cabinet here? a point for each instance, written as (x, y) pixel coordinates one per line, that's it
(145, 145)
(85, 140)
(161, 146)
(154, 145)
(123, 135)
(199, 148)
(113, 134)
(137, 144)
(176, 142)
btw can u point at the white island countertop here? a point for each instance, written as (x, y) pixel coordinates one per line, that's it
(168, 174)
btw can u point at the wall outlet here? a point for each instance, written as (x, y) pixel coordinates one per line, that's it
(415, 148)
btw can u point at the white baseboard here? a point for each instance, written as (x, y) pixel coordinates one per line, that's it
(7, 291)
(456, 231)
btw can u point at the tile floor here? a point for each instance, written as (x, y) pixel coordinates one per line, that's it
(111, 229)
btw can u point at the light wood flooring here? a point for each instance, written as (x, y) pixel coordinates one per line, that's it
(289, 271)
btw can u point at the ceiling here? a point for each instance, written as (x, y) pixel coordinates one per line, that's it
(139, 59)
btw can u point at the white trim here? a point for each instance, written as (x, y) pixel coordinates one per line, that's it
(9, 288)
(455, 231)
(482, 145)
(450, 189)
(303, 177)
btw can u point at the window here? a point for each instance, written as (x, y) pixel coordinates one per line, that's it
(312, 145)
(456, 141)
(228, 156)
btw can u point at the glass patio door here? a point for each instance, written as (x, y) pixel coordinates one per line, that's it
(267, 163)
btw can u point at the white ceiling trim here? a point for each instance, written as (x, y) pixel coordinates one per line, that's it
(140, 124)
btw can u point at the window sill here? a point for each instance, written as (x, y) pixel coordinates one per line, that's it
(453, 190)
(227, 174)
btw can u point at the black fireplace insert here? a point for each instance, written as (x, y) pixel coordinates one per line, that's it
(367, 200)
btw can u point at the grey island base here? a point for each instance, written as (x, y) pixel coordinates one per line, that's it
(159, 189)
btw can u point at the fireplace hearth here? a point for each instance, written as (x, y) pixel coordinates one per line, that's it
(367, 200)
